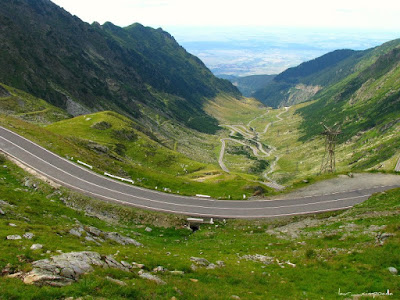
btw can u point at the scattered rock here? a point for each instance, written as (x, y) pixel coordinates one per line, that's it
(93, 230)
(235, 297)
(151, 277)
(137, 266)
(18, 275)
(100, 149)
(177, 272)
(116, 281)
(259, 258)
(193, 280)
(148, 229)
(4, 203)
(94, 234)
(36, 247)
(382, 237)
(14, 237)
(7, 270)
(160, 269)
(12, 225)
(220, 263)
(90, 239)
(2, 212)
(120, 239)
(200, 261)
(75, 232)
(126, 264)
(393, 270)
(66, 268)
(28, 235)
(29, 183)
(211, 266)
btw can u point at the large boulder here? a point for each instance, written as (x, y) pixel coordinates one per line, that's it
(66, 268)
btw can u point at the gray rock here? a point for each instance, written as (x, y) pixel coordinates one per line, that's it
(393, 270)
(93, 230)
(220, 263)
(259, 258)
(120, 239)
(76, 109)
(200, 261)
(97, 147)
(12, 225)
(14, 237)
(176, 272)
(148, 229)
(235, 297)
(66, 268)
(137, 266)
(29, 183)
(382, 237)
(4, 203)
(36, 247)
(126, 264)
(116, 281)
(151, 277)
(160, 269)
(90, 239)
(75, 232)
(2, 212)
(28, 235)
(211, 266)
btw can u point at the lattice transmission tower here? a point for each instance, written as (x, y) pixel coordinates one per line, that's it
(328, 162)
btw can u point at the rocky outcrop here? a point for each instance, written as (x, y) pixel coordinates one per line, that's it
(259, 258)
(93, 234)
(14, 237)
(151, 277)
(202, 262)
(66, 268)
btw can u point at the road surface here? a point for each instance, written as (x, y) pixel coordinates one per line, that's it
(80, 179)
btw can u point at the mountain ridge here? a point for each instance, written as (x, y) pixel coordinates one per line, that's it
(68, 58)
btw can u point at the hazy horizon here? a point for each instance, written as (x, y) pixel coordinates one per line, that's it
(243, 51)
(255, 37)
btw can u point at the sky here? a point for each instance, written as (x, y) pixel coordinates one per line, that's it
(362, 14)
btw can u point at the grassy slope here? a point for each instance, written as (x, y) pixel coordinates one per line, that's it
(150, 166)
(229, 110)
(27, 107)
(334, 251)
(371, 150)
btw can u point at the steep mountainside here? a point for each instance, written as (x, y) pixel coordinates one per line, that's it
(298, 84)
(365, 104)
(71, 64)
(248, 85)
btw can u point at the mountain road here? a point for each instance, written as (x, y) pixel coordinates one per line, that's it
(71, 175)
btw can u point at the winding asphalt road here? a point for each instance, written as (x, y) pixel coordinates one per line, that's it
(80, 179)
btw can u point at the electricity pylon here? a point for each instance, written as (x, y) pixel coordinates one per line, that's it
(328, 162)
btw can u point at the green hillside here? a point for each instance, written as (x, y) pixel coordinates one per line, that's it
(313, 256)
(86, 68)
(14, 102)
(308, 78)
